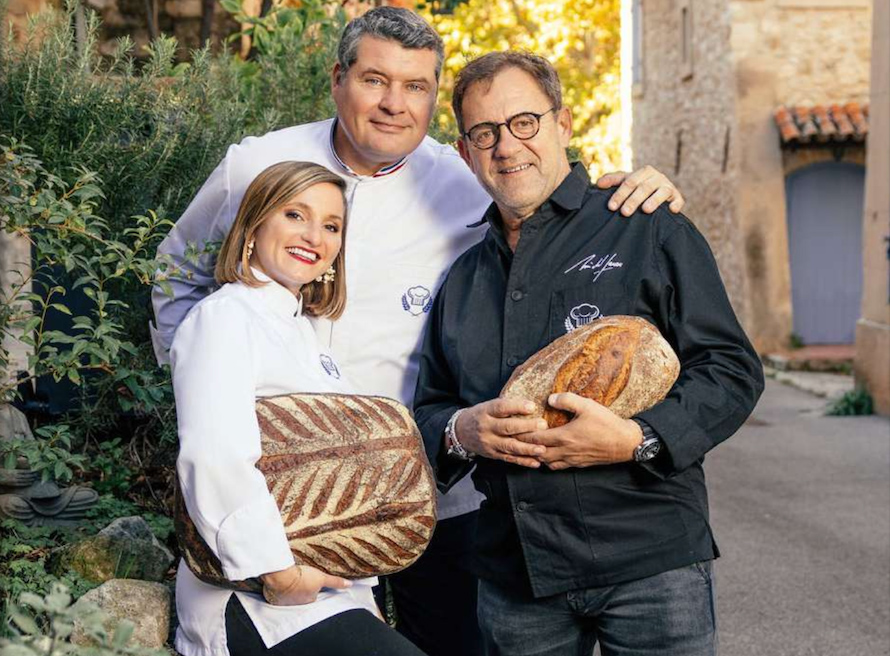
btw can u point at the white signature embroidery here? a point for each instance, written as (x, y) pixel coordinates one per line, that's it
(598, 266)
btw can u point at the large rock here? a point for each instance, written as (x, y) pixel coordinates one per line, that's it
(146, 605)
(126, 548)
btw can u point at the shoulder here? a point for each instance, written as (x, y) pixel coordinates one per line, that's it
(300, 142)
(447, 162)
(286, 138)
(467, 262)
(225, 311)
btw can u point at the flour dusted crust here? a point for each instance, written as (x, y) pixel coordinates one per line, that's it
(620, 361)
(349, 474)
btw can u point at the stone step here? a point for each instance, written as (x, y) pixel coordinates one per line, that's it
(831, 358)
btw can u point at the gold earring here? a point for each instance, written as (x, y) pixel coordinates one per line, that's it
(327, 276)
(250, 249)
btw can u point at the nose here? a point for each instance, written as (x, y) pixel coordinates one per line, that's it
(393, 100)
(507, 144)
(312, 233)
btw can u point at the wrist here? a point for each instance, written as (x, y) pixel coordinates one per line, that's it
(453, 446)
(277, 585)
(633, 439)
(650, 445)
(283, 579)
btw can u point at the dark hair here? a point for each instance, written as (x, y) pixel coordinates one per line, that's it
(393, 24)
(484, 69)
(270, 190)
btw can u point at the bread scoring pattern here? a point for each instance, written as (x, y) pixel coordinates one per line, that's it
(349, 474)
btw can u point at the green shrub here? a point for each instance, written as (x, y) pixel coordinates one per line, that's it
(42, 625)
(151, 132)
(23, 563)
(854, 402)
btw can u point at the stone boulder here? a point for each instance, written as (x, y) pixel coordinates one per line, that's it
(125, 549)
(147, 605)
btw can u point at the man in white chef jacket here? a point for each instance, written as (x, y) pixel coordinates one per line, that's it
(411, 202)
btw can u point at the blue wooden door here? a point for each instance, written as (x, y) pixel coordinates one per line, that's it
(825, 247)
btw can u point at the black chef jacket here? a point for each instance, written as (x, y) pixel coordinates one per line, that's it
(543, 531)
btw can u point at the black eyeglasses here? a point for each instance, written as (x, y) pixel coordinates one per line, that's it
(522, 126)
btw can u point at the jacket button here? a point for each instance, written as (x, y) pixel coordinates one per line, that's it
(522, 506)
(512, 361)
(516, 295)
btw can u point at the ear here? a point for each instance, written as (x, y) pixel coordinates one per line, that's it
(464, 151)
(564, 125)
(335, 76)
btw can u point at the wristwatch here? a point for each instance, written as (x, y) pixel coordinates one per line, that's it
(453, 446)
(651, 444)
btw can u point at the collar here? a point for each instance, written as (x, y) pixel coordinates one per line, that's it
(386, 170)
(568, 196)
(277, 297)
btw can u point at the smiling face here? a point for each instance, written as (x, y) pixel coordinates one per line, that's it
(384, 103)
(297, 242)
(518, 174)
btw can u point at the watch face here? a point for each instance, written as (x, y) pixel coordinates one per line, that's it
(648, 450)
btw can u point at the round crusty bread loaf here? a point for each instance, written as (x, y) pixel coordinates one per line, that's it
(619, 361)
(350, 476)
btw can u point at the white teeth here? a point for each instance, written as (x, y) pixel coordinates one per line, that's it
(309, 255)
(514, 169)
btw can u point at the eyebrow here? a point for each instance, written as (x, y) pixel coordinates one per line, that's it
(305, 208)
(374, 71)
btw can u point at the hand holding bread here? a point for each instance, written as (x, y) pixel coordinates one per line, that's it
(587, 384)
(298, 585)
(489, 429)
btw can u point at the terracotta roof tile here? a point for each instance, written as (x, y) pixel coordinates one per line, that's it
(857, 118)
(819, 124)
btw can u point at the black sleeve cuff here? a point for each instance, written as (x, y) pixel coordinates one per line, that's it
(660, 466)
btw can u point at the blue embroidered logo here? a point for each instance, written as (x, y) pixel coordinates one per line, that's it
(417, 300)
(329, 365)
(581, 315)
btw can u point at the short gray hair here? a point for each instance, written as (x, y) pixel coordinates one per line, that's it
(392, 24)
(484, 69)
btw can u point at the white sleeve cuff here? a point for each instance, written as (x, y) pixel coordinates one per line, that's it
(252, 541)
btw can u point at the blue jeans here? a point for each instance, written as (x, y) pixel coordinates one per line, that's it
(669, 614)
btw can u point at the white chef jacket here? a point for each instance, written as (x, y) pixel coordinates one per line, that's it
(407, 224)
(238, 344)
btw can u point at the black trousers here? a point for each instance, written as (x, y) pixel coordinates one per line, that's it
(353, 633)
(435, 598)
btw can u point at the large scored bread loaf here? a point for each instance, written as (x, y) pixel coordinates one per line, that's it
(350, 476)
(619, 361)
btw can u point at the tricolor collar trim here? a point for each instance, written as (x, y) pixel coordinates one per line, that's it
(387, 170)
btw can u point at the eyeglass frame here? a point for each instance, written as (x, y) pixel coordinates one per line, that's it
(497, 128)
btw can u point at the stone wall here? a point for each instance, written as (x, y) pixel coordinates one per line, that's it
(786, 52)
(873, 329)
(714, 133)
(685, 125)
(15, 258)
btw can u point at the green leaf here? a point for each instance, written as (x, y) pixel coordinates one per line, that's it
(122, 634)
(25, 622)
(61, 471)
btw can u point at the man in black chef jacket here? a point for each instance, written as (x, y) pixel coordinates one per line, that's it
(597, 530)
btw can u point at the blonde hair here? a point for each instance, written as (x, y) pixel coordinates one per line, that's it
(269, 191)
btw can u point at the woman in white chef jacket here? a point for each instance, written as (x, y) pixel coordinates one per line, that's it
(283, 259)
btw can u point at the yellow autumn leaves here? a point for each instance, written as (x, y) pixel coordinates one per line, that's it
(579, 37)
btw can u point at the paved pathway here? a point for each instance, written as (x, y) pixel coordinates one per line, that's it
(800, 505)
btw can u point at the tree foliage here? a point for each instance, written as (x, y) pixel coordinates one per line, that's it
(579, 37)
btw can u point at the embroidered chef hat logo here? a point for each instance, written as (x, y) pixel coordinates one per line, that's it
(417, 300)
(330, 367)
(581, 315)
